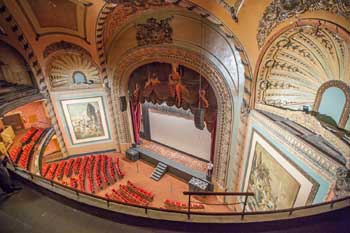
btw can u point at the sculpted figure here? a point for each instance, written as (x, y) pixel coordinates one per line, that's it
(203, 99)
(175, 85)
(151, 83)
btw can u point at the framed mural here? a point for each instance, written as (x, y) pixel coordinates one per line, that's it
(86, 119)
(274, 179)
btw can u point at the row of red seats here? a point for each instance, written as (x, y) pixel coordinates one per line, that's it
(76, 166)
(69, 167)
(96, 172)
(139, 191)
(117, 197)
(119, 171)
(25, 156)
(104, 169)
(60, 169)
(37, 135)
(26, 137)
(89, 171)
(15, 152)
(132, 197)
(51, 173)
(82, 173)
(45, 169)
(110, 169)
(180, 205)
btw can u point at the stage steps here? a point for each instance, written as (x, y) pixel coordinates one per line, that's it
(159, 171)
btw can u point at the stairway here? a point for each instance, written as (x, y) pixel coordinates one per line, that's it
(159, 171)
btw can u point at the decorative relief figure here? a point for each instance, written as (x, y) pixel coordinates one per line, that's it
(153, 32)
(151, 84)
(175, 85)
(280, 10)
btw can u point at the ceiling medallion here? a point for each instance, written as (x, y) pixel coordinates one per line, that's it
(280, 10)
(154, 32)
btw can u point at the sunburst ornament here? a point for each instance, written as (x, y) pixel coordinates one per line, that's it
(297, 64)
(62, 71)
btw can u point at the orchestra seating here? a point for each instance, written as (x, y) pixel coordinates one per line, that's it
(171, 204)
(91, 173)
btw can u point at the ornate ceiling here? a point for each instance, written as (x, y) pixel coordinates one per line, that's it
(56, 16)
(298, 62)
(280, 10)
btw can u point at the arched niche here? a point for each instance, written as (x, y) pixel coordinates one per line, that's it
(64, 68)
(333, 99)
(298, 61)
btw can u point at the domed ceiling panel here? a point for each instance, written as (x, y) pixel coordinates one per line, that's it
(298, 62)
(55, 16)
(62, 68)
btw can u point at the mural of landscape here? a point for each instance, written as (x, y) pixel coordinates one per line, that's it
(273, 186)
(85, 119)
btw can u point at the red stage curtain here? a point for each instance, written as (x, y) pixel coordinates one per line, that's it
(136, 120)
(213, 136)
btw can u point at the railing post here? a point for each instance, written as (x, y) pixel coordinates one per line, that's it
(244, 205)
(189, 207)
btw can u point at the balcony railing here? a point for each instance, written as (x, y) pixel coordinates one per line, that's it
(185, 215)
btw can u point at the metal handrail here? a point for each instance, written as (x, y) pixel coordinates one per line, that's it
(189, 212)
(245, 194)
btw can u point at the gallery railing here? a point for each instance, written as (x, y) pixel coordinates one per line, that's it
(225, 194)
(188, 214)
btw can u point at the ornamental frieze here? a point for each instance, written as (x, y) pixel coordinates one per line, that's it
(280, 10)
(154, 32)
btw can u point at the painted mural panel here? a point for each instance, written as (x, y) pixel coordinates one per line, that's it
(276, 181)
(272, 184)
(86, 120)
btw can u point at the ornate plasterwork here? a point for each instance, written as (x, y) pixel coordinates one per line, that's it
(55, 16)
(66, 46)
(345, 88)
(299, 148)
(154, 32)
(280, 10)
(60, 70)
(342, 185)
(141, 56)
(298, 62)
(312, 124)
(233, 8)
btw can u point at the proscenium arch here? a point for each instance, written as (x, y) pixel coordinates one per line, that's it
(141, 56)
(345, 89)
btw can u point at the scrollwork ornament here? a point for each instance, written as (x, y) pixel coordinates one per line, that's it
(280, 10)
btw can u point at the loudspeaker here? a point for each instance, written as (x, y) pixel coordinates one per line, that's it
(199, 118)
(123, 104)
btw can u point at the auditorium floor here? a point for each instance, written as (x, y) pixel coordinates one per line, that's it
(168, 187)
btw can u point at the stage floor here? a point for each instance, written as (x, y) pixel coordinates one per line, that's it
(174, 155)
